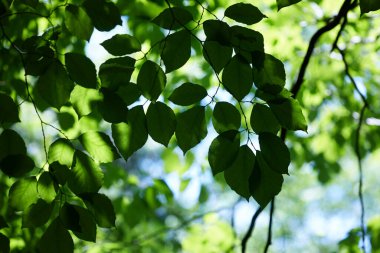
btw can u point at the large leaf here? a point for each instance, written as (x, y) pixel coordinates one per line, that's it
(116, 72)
(55, 85)
(271, 76)
(86, 174)
(188, 94)
(61, 151)
(9, 109)
(11, 143)
(237, 175)
(121, 44)
(130, 137)
(99, 146)
(289, 113)
(56, 239)
(151, 80)
(225, 117)
(216, 30)
(216, 54)
(223, 151)
(112, 108)
(173, 18)
(191, 128)
(263, 120)
(369, 5)
(83, 100)
(129, 92)
(244, 13)
(16, 165)
(101, 207)
(284, 3)
(37, 214)
(237, 77)
(78, 22)
(248, 43)
(161, 122)
(60, 173)
(81, 70)
(4, 244)
(176, 49)
(23, 193)
(275, 152)
(46, 187)
(104, 14)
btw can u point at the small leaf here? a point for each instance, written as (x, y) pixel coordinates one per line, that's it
(86, 175)
(78, 22)
(56, 239)
(61, 151)
(101, 207)
(55, 86)
(121, 44)
(188, 94)
(129, 92)
(191, 128)
(289, 113)
(9, 109)
(112, 108)
(216, 30)
(268, 97)
(244, 13)
(237, 77)
(11, 143)
(284, 3)
(263, 120)
(130, 137)
(225, 117)
(223, 151)
(4, 244)
(61, 173)
(23, 193)
(274, 152)
(161, 122)
(271, 77)
(99, 146)
(369, 5)
(104, 14)
(238, 173)
(81, 70)
(151, 80)
(173, 18)
(116, 72)
(83, 100)
(176, 50)
(37, 214)
(16, 165)
(216, 54)
(45, 187)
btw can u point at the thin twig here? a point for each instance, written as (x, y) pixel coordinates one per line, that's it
(250, 230)
(269, 238)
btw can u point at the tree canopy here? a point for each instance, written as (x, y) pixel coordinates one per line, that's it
(228, 101)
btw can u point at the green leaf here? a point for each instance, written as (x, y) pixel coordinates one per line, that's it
(237, 77)
(99, 146)
(244, 13)
(223, 151)
(275, 152)
(151, 80)
(129, 92)
(60, 172)
(61, 151)
(11, 143)
(268, 97)
(9, 109)
(56, 239)
(130, 137)
(173, 18)
(101, 207)
(37, 214)
(225, 117)
(289, 113)
(369, 5)
(263, 120)
(54, 85)
(112, 108)
(216, 54)
(264, 183)
(78, 22)
(248, 43)
(81, 70)
(161, 122)
(4, 244)
(86, 174)
(104, 14)
(45, 187)
(121, 44)
(216, 30)
(271, 77)
(69, 217)
(191, 128)
(16, 165)
(87, 225)
(3, 223)
(116, 72)
(284, 3)
(176, 49)
(188, 94)
(238, 173)
(83, 100)
(23, 193)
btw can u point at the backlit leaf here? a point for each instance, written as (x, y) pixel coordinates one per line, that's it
(188, 94)
(274, 152)
(121, 44)
(9, 109)
(16, 165)
(289, 114)
(284, 3)
(151, 80)
(81, 70)
(263, 120)
(173, 18)
(112, 108)
(37, 214)
(271, 77)
(216, 54)
(11, 143)
(176, 49)
(87, 225)
(161, 122)
(78, 22)
(61, 151)
(83, 100)
(129, 92)
(99, 146)
(23, 193)
(46, 188)
(56, 239)
(116, 72)
(104, 14)
(101, 207)
(225, 117)
(244, 13)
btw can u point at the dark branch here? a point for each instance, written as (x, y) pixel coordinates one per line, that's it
(250, 230)
(269, 239)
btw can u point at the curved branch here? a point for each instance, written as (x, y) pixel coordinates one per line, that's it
(250, 230)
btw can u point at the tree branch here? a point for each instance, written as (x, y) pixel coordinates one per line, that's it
(269, 239)
(250, 230)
